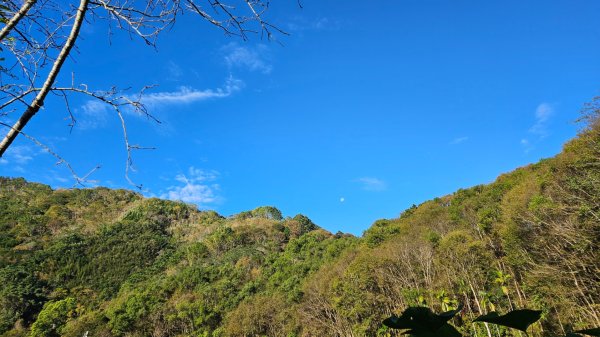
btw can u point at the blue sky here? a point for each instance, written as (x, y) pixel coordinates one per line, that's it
(363, 111)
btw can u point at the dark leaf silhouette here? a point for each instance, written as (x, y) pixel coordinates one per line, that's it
(590, 332)
(445, 330)
(516, 319)
(422, 322)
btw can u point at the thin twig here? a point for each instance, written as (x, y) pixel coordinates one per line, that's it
(16, 18)
(38, 101)
(61, 161)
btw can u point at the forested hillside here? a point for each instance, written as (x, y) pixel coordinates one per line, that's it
(100, 262)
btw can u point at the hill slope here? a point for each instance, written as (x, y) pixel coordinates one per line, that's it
(100, 262)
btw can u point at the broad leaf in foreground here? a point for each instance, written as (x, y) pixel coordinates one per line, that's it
(516, 319)
(422, 322)
(591, 332)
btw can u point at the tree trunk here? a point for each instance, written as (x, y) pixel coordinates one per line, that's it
(38, 101)
(16, 18)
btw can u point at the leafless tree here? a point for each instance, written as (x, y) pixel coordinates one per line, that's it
(39, 35)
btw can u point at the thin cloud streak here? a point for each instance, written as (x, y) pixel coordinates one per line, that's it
(527, 146)
(459, 140)
(542, 115)
(174, 72)
(300, 24)
(188, 95)
(18, 154)
(249, 58)
(539, 129)
(372, 184)
(94, 113)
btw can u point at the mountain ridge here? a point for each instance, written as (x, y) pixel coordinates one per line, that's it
(103, 262)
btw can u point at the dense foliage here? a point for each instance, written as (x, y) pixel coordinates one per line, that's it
(100, 262)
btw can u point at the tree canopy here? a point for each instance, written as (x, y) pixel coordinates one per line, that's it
(113, 263)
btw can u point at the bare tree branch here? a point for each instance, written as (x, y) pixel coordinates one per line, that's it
(16, 18)
(61, 161)
(43, 34)
(38, 101)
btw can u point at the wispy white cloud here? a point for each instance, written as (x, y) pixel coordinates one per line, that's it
(300, 24)
(459, 140)
(543, 112)
(250, 58)
(18, 155)
(93, 114)
(197, 175)
(60, 179)
(324, 23)
(526, 144)
(372, 184)
(539, 130)
(197, 186)
(193, 193)
(174, 71)
(188, 95)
